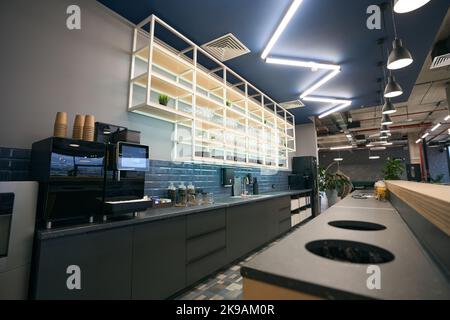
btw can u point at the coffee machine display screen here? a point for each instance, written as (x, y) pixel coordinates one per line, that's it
(132, 157)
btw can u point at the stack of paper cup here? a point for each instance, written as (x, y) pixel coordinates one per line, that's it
(78, 126)
(60, 127)
(89, 125)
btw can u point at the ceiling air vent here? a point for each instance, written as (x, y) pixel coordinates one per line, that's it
(441, 54)
(292, 104)
(226, 47)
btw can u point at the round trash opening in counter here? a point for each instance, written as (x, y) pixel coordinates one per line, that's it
(357, 225)
(349, 251)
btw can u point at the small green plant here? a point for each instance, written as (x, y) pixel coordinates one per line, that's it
(228, 103)
(163, 99)
(438, 179)
(393, 169)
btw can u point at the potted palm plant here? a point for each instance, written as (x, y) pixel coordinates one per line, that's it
(393, 169)
(333, 183)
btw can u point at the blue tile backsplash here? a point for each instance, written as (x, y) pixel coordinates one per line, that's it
(15, 166)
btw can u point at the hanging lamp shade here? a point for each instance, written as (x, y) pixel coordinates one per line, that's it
(403, 6)
(392, 89)
(400, 57)
(384, 129)
(386, 120)
(389, 107)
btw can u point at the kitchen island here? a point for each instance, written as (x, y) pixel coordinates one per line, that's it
(304, 266)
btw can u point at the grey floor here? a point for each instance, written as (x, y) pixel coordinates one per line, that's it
(225, 284)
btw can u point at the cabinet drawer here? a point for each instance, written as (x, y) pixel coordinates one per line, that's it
(282, 202)
(284, 226)
(201, 246)
(205, 266)
(284, 213)
(202, 223)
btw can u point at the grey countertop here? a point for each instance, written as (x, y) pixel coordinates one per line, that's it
(411, 275)
(153, 214)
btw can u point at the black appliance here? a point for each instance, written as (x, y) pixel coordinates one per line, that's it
(227, 177)
(414, 172)
(71, 177)
(305, 176)
(124, 181)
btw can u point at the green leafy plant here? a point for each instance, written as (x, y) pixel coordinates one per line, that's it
(163, 99)
(333, 180)
(438, 179)
(228, 103)
(393, 169)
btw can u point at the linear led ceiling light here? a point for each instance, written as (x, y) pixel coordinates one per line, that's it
(418, 140)
(425, 135)
(447, 118)
(374, 157)
(320, 83)
(335, 109)
(403, 6)
(435, 127)
(341, 148)
(287, 17)
(326, 100)
(338, 159)
(302, 64)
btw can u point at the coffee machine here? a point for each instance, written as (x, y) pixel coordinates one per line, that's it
(80, 181)
(71, 177)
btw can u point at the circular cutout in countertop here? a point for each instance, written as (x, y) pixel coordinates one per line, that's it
(349, 251)
(357, 225)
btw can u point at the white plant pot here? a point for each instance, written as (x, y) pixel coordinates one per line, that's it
(332, 197)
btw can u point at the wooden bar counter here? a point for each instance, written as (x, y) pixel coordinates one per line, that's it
(432, 201)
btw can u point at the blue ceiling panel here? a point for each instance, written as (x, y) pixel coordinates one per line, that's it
(321, 30)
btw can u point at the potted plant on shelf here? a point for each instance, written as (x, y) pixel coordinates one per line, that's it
(228, 103)
(163, 99)
(393, 169)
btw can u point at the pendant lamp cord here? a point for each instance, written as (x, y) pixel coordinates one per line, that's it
(393, 18)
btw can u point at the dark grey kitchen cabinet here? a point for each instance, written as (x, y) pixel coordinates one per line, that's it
(246, 229)
(104, 259)
(205, 244)
(159, 259)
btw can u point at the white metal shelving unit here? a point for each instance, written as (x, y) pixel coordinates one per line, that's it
(219, 117)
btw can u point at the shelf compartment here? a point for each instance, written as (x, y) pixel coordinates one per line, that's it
(162, 112)
(163, 84)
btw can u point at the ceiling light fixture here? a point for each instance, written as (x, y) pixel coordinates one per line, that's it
(386, 120)
(435, 127)
(388, 143)
(320, 83)
(328, 100)
(389, 107)
(374, 157)
(404, 6)
(370, 145)
(378, 148)
(392, 89)
(341, 148)
(284, 22)
(335, 109)
(302, 64)
(384, 129)
(418, 140)
(447, 118)
(338, 159)
(399, 57)
(425, 135)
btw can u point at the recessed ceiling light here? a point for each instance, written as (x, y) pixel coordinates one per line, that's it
(341, 148)
(435, 127)
(284, 22)
(403, 6)
(336, 109)
(302, 64)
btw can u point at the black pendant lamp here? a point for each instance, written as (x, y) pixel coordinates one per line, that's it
(384, 129)
(400, 57)
(389, 107)
(392, 89)
(386, 120)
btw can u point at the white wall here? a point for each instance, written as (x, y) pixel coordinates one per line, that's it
(306, 140)
(47, 68)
